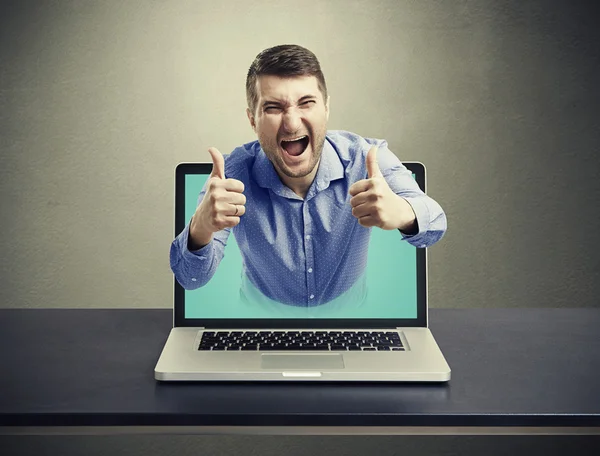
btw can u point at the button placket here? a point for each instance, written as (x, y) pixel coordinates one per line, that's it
(308, 255)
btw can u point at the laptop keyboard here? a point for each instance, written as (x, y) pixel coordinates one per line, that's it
(301, 340)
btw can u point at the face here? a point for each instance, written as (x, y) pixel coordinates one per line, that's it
(291, 109)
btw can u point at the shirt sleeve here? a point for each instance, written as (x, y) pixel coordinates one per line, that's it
(430, 216)
(194, 268)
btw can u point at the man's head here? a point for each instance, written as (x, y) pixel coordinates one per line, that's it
(287, 99)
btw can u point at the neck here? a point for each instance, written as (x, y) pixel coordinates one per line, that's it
(299, 185)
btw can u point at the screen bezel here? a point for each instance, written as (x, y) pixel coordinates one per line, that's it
(179, 320)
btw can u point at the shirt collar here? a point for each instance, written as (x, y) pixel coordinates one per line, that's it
(330, 169)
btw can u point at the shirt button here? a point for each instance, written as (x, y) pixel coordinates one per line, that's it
(312, 296)
(193, 279)
(308, 236)
(309, 269)
(423, 246)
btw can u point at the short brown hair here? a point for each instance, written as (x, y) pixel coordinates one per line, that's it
(285, 60)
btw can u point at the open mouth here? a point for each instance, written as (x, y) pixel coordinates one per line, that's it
(296, 146)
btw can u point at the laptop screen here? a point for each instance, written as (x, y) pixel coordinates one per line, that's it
(387, 289)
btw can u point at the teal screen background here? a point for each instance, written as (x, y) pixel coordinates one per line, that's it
(391, 281)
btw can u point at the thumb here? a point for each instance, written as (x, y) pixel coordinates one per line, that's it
(218, 163)
(372, 166)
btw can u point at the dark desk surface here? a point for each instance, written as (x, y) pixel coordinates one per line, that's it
(510, 367)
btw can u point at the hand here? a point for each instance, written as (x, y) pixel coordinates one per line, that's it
(221, 207)
(375, 204)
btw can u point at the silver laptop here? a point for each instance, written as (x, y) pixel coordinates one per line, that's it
(376, 331)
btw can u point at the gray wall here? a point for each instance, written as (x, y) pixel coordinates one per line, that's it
(100, 100)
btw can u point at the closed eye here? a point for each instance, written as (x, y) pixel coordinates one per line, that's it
(270, 108)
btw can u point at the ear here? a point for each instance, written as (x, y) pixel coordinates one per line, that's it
(251, 119)
(327, 106)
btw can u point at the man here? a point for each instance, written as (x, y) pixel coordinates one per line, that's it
(301, 201)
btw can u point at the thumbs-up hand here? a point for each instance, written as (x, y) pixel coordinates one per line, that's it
(221, 207)
(218, 170)
(372, 165)
(375, 204)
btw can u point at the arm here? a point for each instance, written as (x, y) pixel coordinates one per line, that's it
(194, 268)
(430, 222)
(197, 251)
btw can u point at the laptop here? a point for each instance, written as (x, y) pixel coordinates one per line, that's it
(376, 331)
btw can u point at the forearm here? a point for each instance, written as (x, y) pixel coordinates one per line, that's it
(408, 220)
(430, 221)
(194, 268)
(198, 237)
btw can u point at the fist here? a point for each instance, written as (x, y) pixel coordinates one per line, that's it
(222, 206)
(375, 204)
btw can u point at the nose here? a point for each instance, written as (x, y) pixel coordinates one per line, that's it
(292, 120)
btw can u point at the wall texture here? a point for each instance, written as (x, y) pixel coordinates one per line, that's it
(99, 101)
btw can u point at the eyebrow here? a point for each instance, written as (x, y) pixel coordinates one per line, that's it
(277, 103)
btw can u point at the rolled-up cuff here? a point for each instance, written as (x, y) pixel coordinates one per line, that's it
(423, 221)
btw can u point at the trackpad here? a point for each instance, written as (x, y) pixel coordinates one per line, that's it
(302, 361)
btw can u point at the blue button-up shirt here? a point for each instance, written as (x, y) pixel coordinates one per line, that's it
(305, 252)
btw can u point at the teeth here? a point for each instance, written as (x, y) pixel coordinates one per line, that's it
(295, 139)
